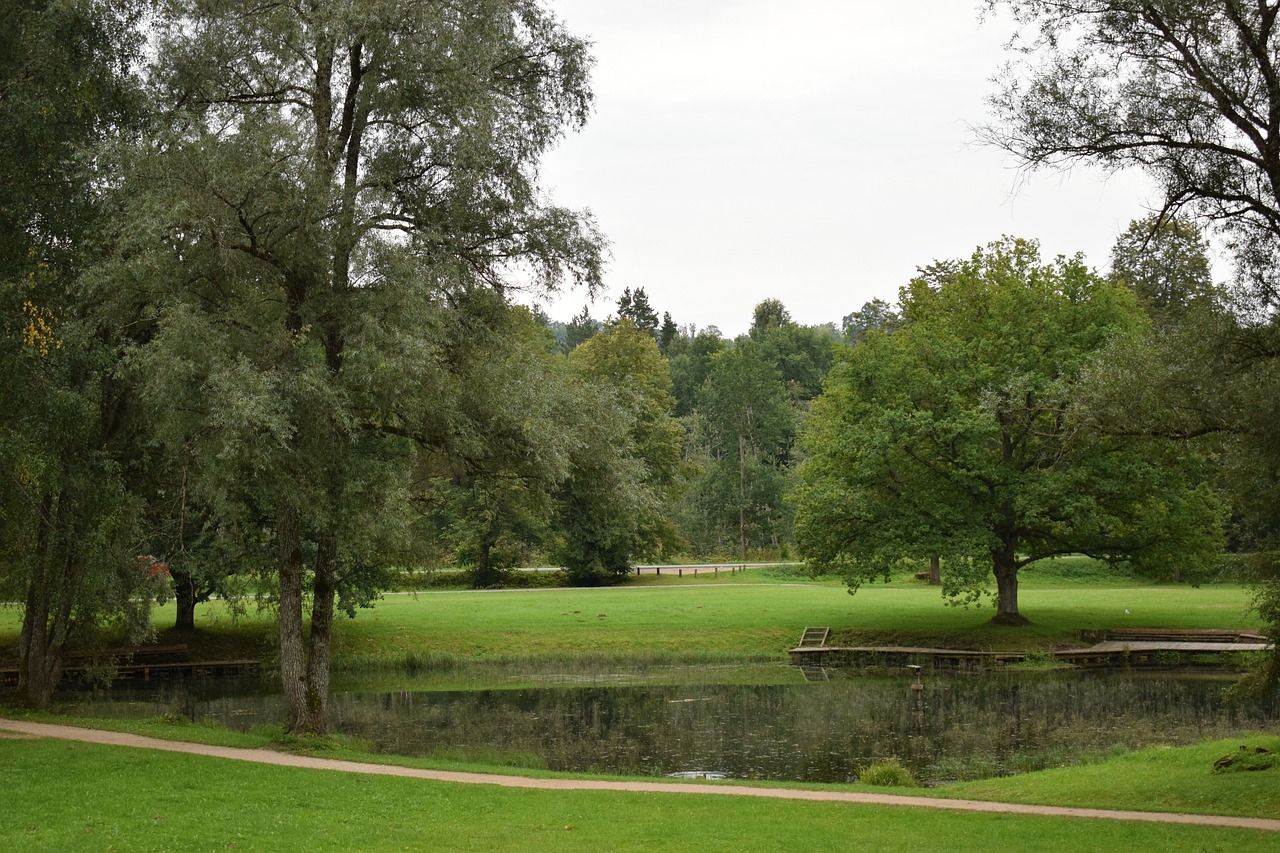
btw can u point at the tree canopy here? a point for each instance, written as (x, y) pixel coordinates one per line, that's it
(1184, 90)
(1165, 262)
(321, 184)
(70, 447)
(960, 432)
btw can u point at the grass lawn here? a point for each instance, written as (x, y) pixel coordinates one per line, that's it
(127, 799)
(1176, 779)
(756, 616)
(755, 620)
(88, 797)
(1160, 778)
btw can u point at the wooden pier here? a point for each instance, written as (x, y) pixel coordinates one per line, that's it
(1129, 647)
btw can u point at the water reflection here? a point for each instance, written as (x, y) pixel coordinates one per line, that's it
(955, 727)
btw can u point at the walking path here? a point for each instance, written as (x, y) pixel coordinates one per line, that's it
(265, 756)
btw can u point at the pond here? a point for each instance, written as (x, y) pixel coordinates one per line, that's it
(956, 727)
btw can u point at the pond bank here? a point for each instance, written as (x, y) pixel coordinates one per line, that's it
(684, 788)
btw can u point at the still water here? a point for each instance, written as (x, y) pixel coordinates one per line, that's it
(956, 727)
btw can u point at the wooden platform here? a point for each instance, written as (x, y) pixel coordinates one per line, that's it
(1190, 647)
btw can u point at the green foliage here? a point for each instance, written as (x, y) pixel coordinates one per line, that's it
(963, 433)
(746, 428)
(876, 314)
(612, 509)
(319, 227)
(690, 360)
(1165, 262)
(634, 306)
(668, 333)
(579, 329)
(887, 774)
(70, 442)
(509, 445)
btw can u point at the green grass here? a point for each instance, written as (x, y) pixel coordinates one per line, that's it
(88, 797)
(132, 800)
(675, 620)
(1160, 778)
(1176, 779)
(755, 621)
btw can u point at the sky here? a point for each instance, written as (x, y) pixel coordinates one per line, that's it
(817, 152)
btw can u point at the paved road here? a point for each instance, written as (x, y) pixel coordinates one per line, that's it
(265, 756)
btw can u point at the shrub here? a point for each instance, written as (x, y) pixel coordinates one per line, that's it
(888, 773)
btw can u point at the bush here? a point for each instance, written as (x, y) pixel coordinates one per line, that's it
(889, 774)
(417, 581)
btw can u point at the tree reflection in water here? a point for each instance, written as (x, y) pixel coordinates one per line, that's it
(956, 727)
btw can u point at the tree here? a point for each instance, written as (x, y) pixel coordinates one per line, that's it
(668, 333)
(1186, 92)
(581, 328)
(801, 354)
(876, 314)
(690, 359)
(1165, 262)
(327, 178)
(770, 315)
(626, 473)
(69, 435)
(634, 306)
(1183, 90)
(750, 427)
(962, 434)
(511, 441)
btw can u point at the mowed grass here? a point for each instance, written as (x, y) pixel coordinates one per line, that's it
(756, 621)
(692, 620)
(86, 797)
(1161, 778)
(1158, 778)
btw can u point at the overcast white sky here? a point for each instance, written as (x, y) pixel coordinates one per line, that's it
(816, 151)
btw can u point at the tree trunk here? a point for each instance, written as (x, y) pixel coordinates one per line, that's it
(1005, 567)
(935, 571)
(293, 670)
(323, 595)
(485, 576)
(38, 667)
(184, 598)
(304, 660)
(46, 618)
(742, 495)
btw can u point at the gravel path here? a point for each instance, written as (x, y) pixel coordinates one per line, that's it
(266, 756)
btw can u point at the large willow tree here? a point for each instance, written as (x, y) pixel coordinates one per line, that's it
(327, 182)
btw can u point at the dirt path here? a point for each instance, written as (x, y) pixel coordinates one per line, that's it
(265, 756)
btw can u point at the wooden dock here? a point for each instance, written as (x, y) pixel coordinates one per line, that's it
(1130, 647)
